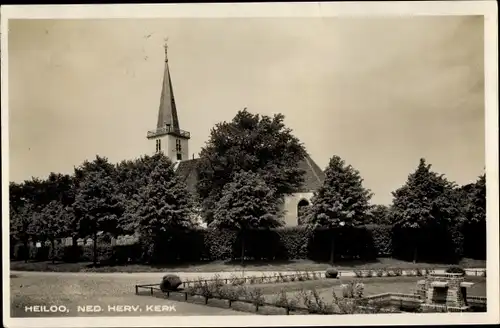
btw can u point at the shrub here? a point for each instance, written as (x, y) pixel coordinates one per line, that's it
(170, 282)
(353, 289)
(241, 292)
(256, 296)
(381, 236)
(331, 273)
(455, 269)
(398, 272)
(428, 271)
(419, 272)
(195, 289)
(358, 273)
(380, 272)
(230, 293)
(236, 281)
(294, 242)
(216, 284)
(369, 273)
(314, 303)
(266, 279)
(207, 291)
(283, 300)
(220, 244)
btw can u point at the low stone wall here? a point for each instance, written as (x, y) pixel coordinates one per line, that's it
(415, 299)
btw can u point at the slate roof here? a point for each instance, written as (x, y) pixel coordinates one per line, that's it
(167, 113)
(313, 177)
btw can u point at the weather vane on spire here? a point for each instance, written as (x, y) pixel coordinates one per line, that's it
(165, 45)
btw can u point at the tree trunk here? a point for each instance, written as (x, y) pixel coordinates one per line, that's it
(26, 251)
(415, 253)
(415, 245)
(53, 243)
(332, 250)
(95, 249)
(242, 250)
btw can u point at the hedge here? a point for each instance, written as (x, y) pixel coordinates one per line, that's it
(364, 243)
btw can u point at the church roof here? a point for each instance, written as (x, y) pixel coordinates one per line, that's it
(313, 176)
(167, 114)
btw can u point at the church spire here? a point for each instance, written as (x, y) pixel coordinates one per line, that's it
(167, 133)
(167, 114)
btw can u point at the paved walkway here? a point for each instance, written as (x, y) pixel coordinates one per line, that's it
(193, 275)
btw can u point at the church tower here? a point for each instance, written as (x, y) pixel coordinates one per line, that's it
(168, 136)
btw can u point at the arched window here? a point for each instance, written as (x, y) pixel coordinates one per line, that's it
(302, 210)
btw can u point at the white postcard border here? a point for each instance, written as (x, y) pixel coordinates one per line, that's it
(486, 8)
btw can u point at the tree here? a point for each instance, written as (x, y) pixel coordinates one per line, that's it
(341, 200)
(96, 203)
(21, 224)
(473, 204)
(379, 214)
(131, 177)
(247, 203)
(51, 224)
(251, 143)
(427, 199)
(476, 207)
(164, 203)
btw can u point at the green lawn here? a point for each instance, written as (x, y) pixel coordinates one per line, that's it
(221, 266)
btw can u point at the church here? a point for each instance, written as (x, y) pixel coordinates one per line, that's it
(170, 139)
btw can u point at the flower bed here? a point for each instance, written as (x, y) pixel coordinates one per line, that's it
(234, 280)
(218, 293)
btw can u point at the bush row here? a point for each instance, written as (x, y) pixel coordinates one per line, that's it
(364, 243)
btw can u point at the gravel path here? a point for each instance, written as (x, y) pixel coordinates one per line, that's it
(156, 276)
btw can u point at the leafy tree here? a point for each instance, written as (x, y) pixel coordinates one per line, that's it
(17, 195)
(476, 207)
(427, 199)
(473, 204)
(96, 203)
(252, 143)
(164, 203)
(60, 188)
(21, 224)
(51, 224)
(131, 177)
(35, 191)
(379, 214)
(341, 200)
(247, 203)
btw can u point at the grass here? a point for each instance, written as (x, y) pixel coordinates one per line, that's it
(222, 266)
(77, 291)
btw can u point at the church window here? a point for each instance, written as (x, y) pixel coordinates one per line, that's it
(178, 145)
(158, 145)
(302, 208)
(179, 157)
